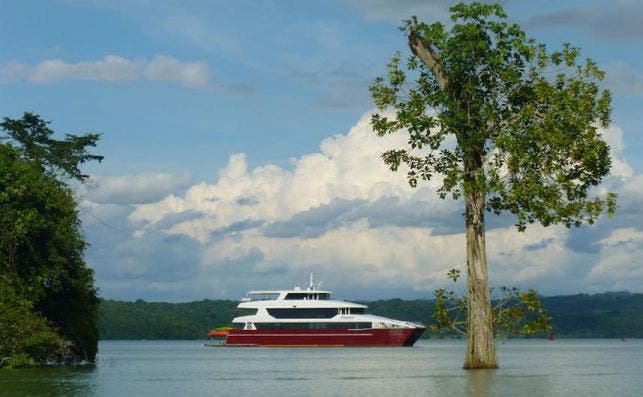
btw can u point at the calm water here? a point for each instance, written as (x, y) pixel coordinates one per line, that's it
(187, 368)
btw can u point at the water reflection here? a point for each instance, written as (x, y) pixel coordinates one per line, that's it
(494, 382)
(74, 381)
(480, 382)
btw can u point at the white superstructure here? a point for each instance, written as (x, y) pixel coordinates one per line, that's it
(309, 308)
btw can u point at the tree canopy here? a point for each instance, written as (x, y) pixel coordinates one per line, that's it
(505, 124)
(41, 245)
(34, 140)
(531, 116)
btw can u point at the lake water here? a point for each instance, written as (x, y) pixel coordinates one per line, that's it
(431, 368)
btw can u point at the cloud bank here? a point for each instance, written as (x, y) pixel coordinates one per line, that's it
(112, 68)
(133, 189)
(343, 214)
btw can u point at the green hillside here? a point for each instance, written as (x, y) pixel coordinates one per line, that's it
(161, 320)
(607, 315)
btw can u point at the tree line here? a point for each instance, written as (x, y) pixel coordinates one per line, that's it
(606, 315)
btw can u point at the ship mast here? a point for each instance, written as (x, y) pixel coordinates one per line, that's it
(313, 285)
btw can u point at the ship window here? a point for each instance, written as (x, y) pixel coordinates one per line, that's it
(263, 296)
(281, 325)
(296, 296)
(303, 313)
(360, 325)
(307, 296)
(356, 310)
(247, 312)
(314, 325)
(238, 325)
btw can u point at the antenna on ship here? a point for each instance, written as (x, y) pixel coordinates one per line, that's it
(313, 285)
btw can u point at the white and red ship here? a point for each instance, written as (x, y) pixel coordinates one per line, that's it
(308, 317)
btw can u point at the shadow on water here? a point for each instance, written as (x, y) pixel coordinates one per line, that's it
(67, 381)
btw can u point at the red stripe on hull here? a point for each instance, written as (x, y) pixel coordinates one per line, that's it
(330, 337)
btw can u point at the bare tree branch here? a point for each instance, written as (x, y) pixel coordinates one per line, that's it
(430, 59)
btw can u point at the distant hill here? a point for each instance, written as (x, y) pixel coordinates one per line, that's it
(161, 320)
(606, 315)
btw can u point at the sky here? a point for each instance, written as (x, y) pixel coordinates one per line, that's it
(239, 155)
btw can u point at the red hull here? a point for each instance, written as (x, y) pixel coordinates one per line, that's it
(328, 337)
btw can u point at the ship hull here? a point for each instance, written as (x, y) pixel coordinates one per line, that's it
(329, 337)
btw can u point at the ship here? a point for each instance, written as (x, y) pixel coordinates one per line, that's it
(308, 317)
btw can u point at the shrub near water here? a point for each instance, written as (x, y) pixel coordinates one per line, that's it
(26, 337)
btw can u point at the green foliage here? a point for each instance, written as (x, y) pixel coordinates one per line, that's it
(524, 119)
(41, 246)
(26, 337)
(418, 310)
(513, 313)
(161, 320)
(33, 138)
(519, 313)
(609, 315)
(38, 221)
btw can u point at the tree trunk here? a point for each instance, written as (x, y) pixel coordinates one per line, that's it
(481, 351)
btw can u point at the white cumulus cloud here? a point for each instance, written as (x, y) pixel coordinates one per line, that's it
(347, 167)
(342, 212)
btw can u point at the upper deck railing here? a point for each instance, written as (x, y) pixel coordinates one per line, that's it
(295, 294)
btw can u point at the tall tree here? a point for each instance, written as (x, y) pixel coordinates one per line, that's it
(41, 245)
(525, 122)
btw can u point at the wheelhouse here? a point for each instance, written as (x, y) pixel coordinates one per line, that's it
(307, 296)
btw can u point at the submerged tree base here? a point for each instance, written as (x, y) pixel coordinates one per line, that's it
(480, 365)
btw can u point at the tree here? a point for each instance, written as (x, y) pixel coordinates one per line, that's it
(41, 245)
(525, 123)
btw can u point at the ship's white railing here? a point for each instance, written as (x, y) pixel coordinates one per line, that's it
(260, 296)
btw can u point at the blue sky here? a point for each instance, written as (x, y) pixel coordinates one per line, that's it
(238, 153)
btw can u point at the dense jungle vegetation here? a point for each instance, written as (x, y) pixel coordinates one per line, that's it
(48, 302)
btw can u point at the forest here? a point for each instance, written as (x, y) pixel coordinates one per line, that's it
(605, 315)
